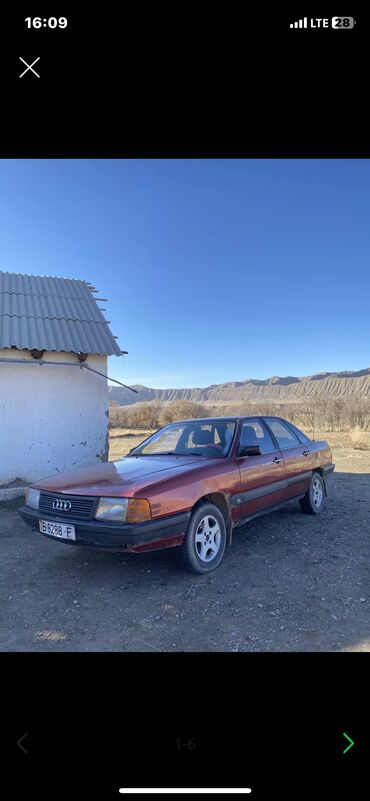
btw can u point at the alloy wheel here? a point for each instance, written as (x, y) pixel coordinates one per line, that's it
(208, 538)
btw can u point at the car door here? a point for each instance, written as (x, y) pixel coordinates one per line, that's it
(297, 457)
(262, 477)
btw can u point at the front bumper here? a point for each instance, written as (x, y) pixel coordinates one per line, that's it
(126, 536)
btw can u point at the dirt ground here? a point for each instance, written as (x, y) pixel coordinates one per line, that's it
(290, 582)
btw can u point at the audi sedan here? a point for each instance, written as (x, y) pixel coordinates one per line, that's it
(189, 486)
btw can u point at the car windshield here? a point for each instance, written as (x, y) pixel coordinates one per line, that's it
(212, 438)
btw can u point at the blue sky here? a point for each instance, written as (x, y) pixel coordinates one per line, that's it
(215, 270)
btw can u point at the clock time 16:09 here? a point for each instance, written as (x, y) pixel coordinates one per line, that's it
(51, 22)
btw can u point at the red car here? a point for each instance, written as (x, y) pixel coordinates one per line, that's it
(190, 485)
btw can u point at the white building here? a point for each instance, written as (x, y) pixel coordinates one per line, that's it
(53, 407)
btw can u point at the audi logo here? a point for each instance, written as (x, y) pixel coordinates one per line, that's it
(61, 506)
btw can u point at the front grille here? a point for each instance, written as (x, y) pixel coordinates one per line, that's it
(82, 506)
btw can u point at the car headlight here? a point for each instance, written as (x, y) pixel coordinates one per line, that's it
(123, 510)
(32, 498)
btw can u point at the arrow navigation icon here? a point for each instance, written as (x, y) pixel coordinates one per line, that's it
(351, 742)
(20, 741)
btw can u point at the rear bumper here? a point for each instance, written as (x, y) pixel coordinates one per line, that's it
(327, 469)
(134, 536)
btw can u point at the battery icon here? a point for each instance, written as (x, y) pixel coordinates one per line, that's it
(342, 23)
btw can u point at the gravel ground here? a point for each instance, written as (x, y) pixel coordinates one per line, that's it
(290, 582)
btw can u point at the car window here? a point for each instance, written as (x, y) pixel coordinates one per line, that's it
(200, 436)
(190, 438)
(285, 437)
(207, 438)
(303, 437)
(165, 440)
(254, 433)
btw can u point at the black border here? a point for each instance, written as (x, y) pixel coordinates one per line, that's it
(98, 722)
(186, 83)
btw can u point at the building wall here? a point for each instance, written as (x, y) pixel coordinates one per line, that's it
(52, 417)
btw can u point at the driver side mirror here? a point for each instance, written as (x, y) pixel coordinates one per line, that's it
(249, 450)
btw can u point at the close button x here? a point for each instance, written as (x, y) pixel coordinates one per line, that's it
(29, 67)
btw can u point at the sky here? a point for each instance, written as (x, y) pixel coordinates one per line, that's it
(214, 270)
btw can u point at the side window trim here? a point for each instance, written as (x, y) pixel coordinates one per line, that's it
(236, 438)
(272, 435)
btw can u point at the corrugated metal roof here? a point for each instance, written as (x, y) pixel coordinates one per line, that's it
(48, 313)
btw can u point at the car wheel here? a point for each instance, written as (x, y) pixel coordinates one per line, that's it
(205, 540)
(314, 499)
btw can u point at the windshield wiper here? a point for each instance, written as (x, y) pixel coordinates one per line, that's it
(160, 453)
(165, 453)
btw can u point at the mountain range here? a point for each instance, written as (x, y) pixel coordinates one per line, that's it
(342, 385)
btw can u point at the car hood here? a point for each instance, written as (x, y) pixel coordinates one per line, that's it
(124, 477)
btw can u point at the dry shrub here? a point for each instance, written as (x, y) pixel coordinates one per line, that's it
(309, 414)
(154, 414)
(359, 440)
(182, 410)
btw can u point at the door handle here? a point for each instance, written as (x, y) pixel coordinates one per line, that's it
(305, 453)
(277, 460)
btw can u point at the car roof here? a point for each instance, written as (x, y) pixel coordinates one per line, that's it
(232, 418)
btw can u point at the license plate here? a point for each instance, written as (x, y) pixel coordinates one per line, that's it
(60, 530)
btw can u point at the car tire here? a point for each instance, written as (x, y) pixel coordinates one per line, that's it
(314, 499)
(205, 540)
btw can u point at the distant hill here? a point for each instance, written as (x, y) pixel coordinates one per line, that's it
(345, 385)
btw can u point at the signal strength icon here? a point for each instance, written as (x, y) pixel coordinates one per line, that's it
(301, 23)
